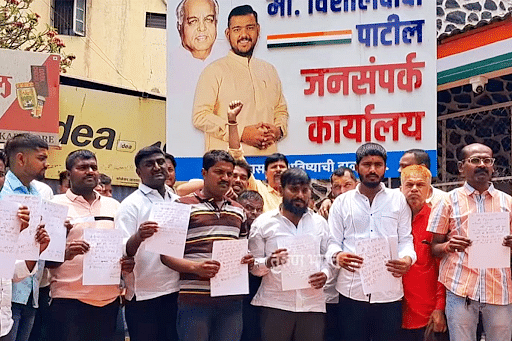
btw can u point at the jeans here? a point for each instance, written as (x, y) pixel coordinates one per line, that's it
(218, 319)
(23, 316)
(462, 317)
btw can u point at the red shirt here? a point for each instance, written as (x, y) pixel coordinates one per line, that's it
(422, 291)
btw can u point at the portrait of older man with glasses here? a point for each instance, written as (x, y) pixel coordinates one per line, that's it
(471, 291)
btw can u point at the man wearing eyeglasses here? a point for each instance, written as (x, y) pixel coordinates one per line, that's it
(470, 290)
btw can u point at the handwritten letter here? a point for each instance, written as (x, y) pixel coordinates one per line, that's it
(374, 274)
(486, 231)
(53, 218)
(233, 277)
(28, 248)
(172, 219)
(102, 264)
(9, 232)
(303, 260)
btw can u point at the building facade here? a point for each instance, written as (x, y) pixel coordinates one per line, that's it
(118, 42)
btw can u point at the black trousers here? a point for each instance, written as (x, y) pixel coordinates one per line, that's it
(154, 319)
(282, 325)
(41, 328)
(251, 314)
(419, 335)
(332, 330)
(73, 320)
(412, 334)
(363, 321)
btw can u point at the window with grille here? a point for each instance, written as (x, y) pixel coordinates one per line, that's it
(69, 17)
(156, 20)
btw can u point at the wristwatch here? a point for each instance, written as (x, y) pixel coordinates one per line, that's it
(334, 258)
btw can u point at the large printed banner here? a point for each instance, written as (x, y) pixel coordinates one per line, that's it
(29, 94)
(325, 76)
(112, 125)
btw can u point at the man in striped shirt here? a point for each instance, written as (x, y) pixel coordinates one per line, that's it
(470, 290)
(213, 217)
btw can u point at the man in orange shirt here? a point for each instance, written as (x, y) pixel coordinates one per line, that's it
(424, 296)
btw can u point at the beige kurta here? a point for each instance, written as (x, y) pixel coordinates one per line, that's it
(250, 80)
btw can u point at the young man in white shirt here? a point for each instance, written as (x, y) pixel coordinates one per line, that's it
(153, 292)
(370, 211)
(291, 314)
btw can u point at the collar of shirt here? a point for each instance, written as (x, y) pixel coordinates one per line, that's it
(14, 185)
(277, 212)
(239, 59)
(199, 194)
(270, 188)
(469, 190)
(147, 190)
(292, 228)
(80, 199)
(381, 189)
(425, 211)
(429, 199)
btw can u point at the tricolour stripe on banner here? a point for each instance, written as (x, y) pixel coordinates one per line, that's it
(475, 69)
(309, 39)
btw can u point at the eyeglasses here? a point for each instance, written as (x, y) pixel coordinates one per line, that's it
(476, 161)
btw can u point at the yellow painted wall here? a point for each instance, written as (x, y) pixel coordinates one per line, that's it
(114, 126)
(118, 48)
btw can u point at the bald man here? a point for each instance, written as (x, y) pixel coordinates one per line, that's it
(470, 290)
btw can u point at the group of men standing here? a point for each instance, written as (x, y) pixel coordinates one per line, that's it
(168, 298)
(77, 312)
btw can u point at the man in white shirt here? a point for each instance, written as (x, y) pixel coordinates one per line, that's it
(153, 291)
(291, 314)
(371, 211)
